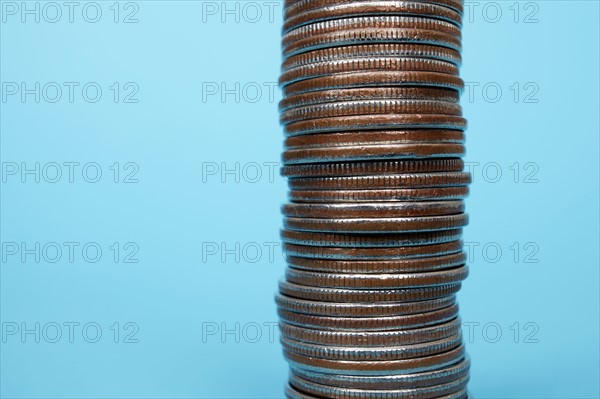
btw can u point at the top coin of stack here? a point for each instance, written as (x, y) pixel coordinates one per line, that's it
(374, 140)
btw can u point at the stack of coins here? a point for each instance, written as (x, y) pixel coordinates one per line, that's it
(372, 233)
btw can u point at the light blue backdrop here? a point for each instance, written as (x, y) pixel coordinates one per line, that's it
(155, 127)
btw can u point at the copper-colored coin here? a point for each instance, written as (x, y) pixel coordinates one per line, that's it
(373, 152)
(389, 367)
(366, 295)
(293, 7)
(375, 79)
(373, 209)
(377, 253)
(366, 64)
(381, 323)
(373, 168)
(361, 309)
(377, 21)
(451, 389)
(379, 265)
(376, 122)
(375, 353)
(373, 51)
(389, 280)
(369, 240)
(408, 180)
(372, 35)
(372, 338)
(370, 138)
(378, 225)
(369, 107)
(365, 8)
(400, 381)
(417, 194)
(369, 93)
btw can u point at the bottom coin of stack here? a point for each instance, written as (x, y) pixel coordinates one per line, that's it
(368, 307)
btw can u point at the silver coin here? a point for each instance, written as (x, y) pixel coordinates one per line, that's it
(372, 354)
(371, 338)
(392, 382)
(374, 368)
(361, 309)
(456, 387)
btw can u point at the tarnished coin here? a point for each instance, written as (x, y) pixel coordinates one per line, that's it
(378, 21)
(454, 388)
(379, 265)
(369, 93)
(375, 79)
(394, 167)
(386, 281)
(400, 381)
(378, 323)
(375, 353)
(372, 152)
(371, 51)
(365, 8)
(366, 295)
(369, 240)
(369, 107)
(417, 194)
(377, 253)
(378, 225)
(292, 393)
(361, 309)
(374, 209)
(377, 122)
(293, 7)
(375, 137)
(371, 338)
(372, 35)
(364, 368)
(366, 64)
(383, 181)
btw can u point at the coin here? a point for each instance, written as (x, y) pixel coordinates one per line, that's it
(371, 51)
(373, 152)
(368, 240)
(377, 323)
(370, 107)
(376, 122)
(378, 225)
(401, 381)
(365, 8)
(370, 138)
(365, 368)
(375, 79)
(293, 7)
(382, 181)
(366, 22)
(361, 309)
(417, 194)
(392, 167)
(436, 391)
(371, 338)
(366, 295)
(374, 209)
(368, 353)
(378, 253)
(387, 280)
(378, 265)
(372, 35)
(369, 93)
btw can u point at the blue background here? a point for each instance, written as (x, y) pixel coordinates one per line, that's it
(533, 306)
